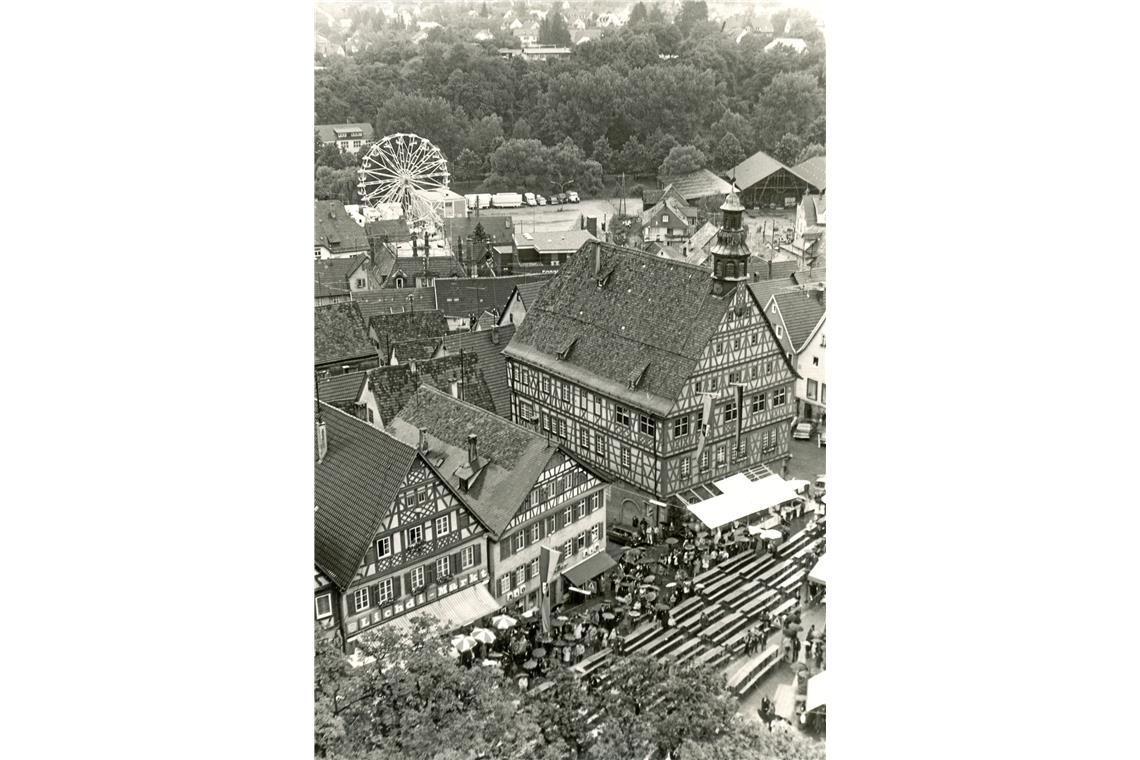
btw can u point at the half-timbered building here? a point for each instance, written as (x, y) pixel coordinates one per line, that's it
(660, 374)
(526, 488)
(393, 538)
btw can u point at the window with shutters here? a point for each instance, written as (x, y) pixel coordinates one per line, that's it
(384, 592)
(779, 397)
(360, 599)
(720, 456)
(535, 533)
(545, 384)
(324, 606)
(621, 415)
(415, 535)
(681, 426)
(520, 577)
(580, 510)
(600, 446)
(551, 525)
(418, 577)
(730, 411)
(467, 557)
(532, 568)
(442, 525)
(626, 457)
(686, 467)
(596, 533)
(564, 391)
(584, 438)
(704, 462)
(568, 548)
(647, 425)
(580, 541)
(567, 516)
(442, 569)
(518, 541)
(383, 547)
(504, 584)
(526, 411)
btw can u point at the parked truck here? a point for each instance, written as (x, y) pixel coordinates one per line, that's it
(506, 200)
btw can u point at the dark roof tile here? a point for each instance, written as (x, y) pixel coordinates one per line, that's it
(460, 297)
(393, 385)
(335, 229)
(339, 333)
(405, 326)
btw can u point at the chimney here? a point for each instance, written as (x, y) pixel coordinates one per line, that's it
(597, 259)
(423, 439)
(322, 439)
(412, 366)
(472, 449)
(495, 334)
(455, 388)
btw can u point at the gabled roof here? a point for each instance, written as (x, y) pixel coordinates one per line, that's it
(413, 266)
(700, 184)
(339, 333)
(387, 230)
(489, 359)
(515, 456)
(405, 326)
(651, 311)
(498, 228)
(331, 275)
(335, 229)
(329, 132)
(681, 211)
(393, 385)
(460, 297)
(354, 487)
(553, 242)
(756, 168)
(394, 301)
(701, 240)
(802, 310)
(528, 291)
(341, 391)
(814, 171)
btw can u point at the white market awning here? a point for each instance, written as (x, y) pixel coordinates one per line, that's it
(452, 611)
(742, 497)
(818, 574)
(816, 691)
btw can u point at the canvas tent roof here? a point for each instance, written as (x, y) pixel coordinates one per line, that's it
(741, 497)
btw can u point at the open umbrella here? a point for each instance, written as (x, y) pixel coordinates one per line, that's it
(538, 653)
(608, 616)
(463, 643)
(672, 540)
(649, 578)
(482, 635)
(503, 622)
(671, 584)
(562, 619)
(530, 664)
(661, 606)
(768, 534)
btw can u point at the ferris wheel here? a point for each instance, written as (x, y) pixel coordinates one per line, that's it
(399, 174)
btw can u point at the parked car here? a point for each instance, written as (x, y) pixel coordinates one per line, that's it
(821, 438)
(528, 198)
(623, 536)
(819, 487)
(573, 196)
(803, 431)
(563, 198)
(541, 199)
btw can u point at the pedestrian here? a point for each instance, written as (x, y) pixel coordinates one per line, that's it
(763, 638)
(579, 651)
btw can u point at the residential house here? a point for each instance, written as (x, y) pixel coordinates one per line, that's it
(462, 298)
(765, 182)
(794, 43)
(808, 246)
(667, 221)
(416, 270)
(348, 137)
(660, 374)
(529, 491)
(337, 235)
(342, 391)
(797, 306)
(387, 330)
(337, 280)
(700, 188)
(526, 33)
(584, 34)
(387, 389)
(392, 536)
(546, 251)
(394, 301)
(487, 348)
(525, 294)
(532, 52)
(341, 340)
(459, 234)
(483, 35)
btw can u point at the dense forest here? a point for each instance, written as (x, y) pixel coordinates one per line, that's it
(621, 103)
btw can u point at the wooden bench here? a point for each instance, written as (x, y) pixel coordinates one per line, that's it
(690, 648)
(753, 670)
(696, 600)
(741, 592)
(723, 628)
(663, 644)
(712, 657)
(592, 663)
(634, 637)
(759, 603)
(735, 644)
(785, 606)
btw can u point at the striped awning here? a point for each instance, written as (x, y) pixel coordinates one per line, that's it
(452, 611)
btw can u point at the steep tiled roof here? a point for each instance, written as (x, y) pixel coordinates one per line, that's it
(489, 359)
(529, 290)
(700, 184)
(565, 240)
(394, 300)
(814, 171)
(390, 230)
(340, 333)
(437, 266)
(328, 131)
(393, 385)
(331, 275)
(354, 487)
(650, 311)
(341, 391)
(405, 326)
(498, 228)
(756, 167)
(459, 297)
(516, 456)
(802, 310)
(335, 229)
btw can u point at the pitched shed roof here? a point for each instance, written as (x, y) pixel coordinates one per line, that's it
(700, 184)
(393, 385)
(515, 456)
(394, 300)
(339, 333)
(335, 229)
(756, 168)
(331, 275)
(489, 359)
(651, 311)
(329, 132)
(459, 297)
(405, 326)
(814, 171)
(354, 487)
(341, 391)
(551, 242)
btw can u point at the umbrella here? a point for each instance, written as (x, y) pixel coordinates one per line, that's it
(538, 653)
(635, 614)
(530, 664)
(770, 535)
(688, 545)
(671, 584)
(463, 643)
(672, 540)
(651, 596)
(562, 619)
(649, 578)
(503, 622)
(608, 616)
(529, 613)
(662, 606)
(482, 635)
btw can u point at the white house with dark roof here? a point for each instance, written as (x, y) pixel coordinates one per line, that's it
(348, 137)
(797, 305)
(527, 489)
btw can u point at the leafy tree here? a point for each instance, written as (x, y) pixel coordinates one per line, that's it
(485, 135)
(469, 165)
(553, 30)
(810, 151)
(788, 148)
(729, 152)
(429, 117)
(747, 740)
(634, 157)
(691, 15)
(789, 105)
(336, 185)
(817, 130)
(682, 160)
(519, 162)
(602, 152)
(638, 15)
(521, 130)
(659, 146)
(483, 11)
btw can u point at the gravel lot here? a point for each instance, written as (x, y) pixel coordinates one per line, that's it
(565, 217)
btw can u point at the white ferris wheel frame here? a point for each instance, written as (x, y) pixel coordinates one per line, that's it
(400, 169)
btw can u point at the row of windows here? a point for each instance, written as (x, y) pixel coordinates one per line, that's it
(759, 403)
(646, 425)
(524, 573)
(534, 533)
(413, 536)
(737, 376)
(813, 387)
(737, 341)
